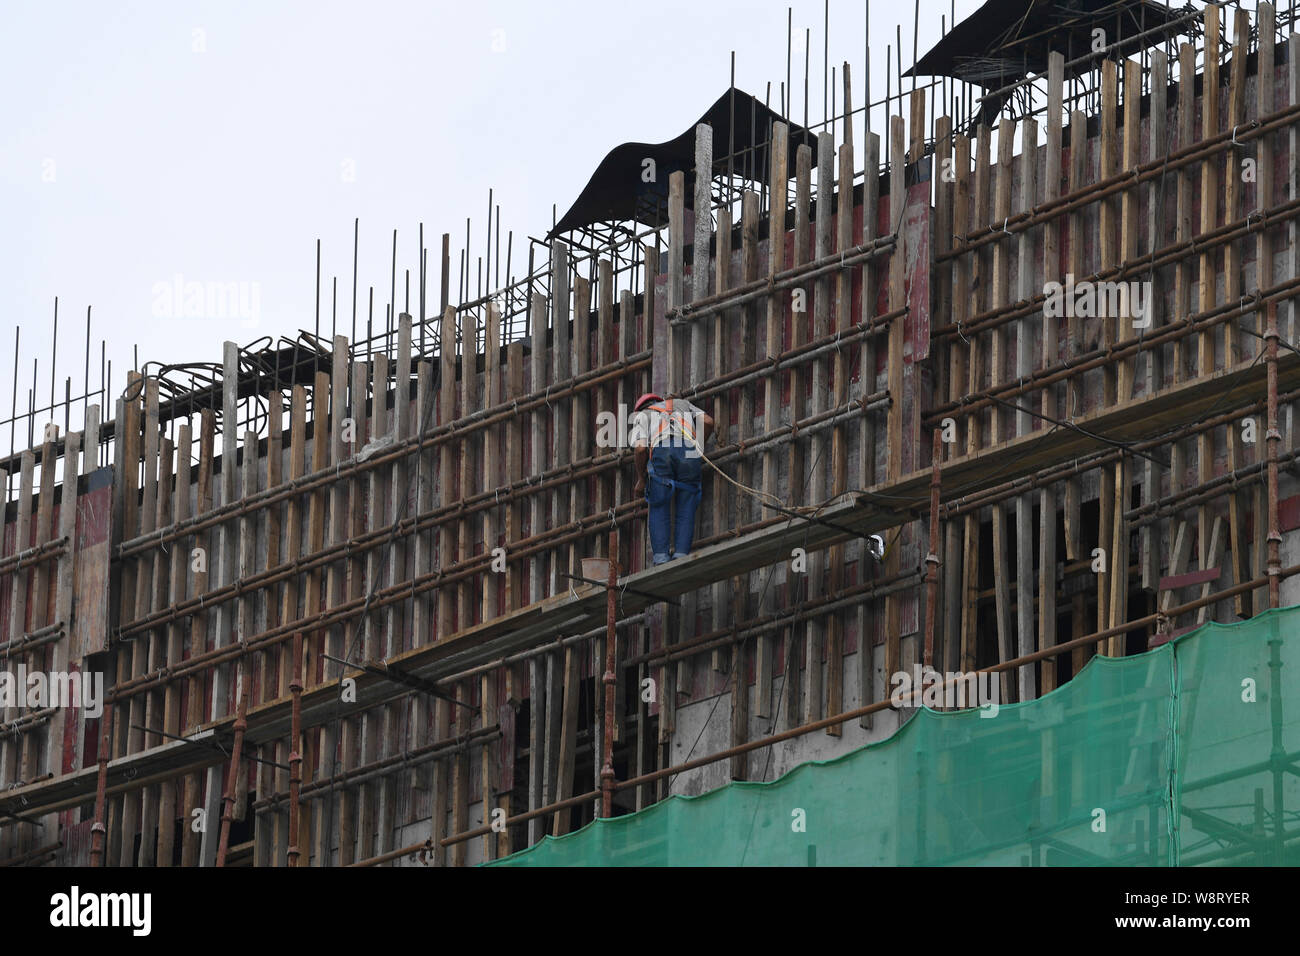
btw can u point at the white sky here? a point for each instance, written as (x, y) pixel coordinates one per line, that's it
(128, 157)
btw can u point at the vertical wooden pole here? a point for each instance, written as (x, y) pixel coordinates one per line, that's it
(894, 372)
(1148, 545)
(839, 445)
(1051, 397)
(1208, 275)
(1027, 269)
(177, 592)
(200, 577)
(959, 594)
(979, 286)
(778, 182)
(1238, 350)
(1264, 199)
(997, 371)
(720, 357)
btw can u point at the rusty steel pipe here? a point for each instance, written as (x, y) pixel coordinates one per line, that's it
(430, 438)
(973, 502)
(295, 750)
(232, 778)
(25, 723)
(455, 512)
(1097, 358)
(1127, 179)
(1168, 255)
(1209, 490)
(1274, 438)
(932, 559)
(806, 610)
(796, 275)
(381, 537)
(97, 829)
(33, 639)
(611, 640)
(352, 776)
(37, 554)
(798, 355)
(346, 611)
(32, 855)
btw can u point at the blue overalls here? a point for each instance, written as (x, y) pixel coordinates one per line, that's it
(673, 478)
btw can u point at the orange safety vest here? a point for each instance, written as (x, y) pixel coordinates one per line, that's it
(666, 421)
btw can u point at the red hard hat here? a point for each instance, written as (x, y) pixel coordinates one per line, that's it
(647, 397)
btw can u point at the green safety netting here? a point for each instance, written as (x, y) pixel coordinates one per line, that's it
(1184, 755)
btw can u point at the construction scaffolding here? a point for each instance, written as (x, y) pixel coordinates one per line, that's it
(336, 585)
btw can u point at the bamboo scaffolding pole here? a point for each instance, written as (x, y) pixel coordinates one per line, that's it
(295, 752)
(1273, 436)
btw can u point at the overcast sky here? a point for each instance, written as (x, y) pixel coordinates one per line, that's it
(216, 142)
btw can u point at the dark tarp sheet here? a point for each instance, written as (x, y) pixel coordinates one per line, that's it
(618, 192)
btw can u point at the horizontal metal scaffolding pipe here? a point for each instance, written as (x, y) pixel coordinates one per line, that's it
(1045, 653)
(379, 768)
(1205, 491)
(27, 722)
(378, 599)
(456, 511)
(42, 635)
(452, 679)
(1152, 169)
(429, 438)
(383, 597)
(430, 580)
(1160, 258)
(32, 855)
(1098, 358)
(980, 499)
(810, 425)
(382, 536)
(35, 555)
(785, 279)
(813, 608)
(768, 367)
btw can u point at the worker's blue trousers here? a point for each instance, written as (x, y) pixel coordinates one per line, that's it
(673, 478)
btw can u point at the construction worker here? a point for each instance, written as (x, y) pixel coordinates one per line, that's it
(668, 438)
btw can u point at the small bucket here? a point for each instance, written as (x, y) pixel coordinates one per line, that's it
(595, 569)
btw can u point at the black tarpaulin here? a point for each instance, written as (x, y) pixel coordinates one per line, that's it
(1006, 40)
(618, 190)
